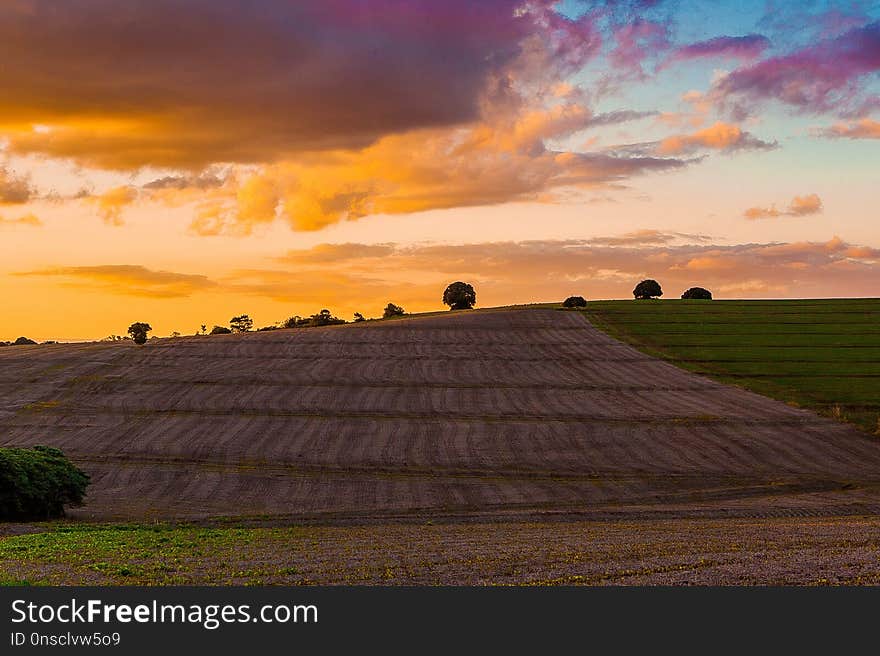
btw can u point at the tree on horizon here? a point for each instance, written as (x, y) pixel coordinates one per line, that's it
(460, 296)
(138, 331)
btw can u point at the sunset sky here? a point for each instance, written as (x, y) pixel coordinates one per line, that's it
(183, 161)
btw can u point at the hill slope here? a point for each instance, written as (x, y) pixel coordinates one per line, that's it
(821, 354)
(481, 414)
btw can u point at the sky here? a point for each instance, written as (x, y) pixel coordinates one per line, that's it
(180, 162)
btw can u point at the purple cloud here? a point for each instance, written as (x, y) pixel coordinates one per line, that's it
(747, 47)
(819, 78)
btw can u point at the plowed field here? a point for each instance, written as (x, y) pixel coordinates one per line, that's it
(509, 414)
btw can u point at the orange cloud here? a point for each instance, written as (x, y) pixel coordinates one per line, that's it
(710, 263)
(720, 136)
(642, 237)
(865, 128)
(130, 280)
(484, 164)
(799, 206)
(510, 272)
(353, 277)
(26, 220)
(112, 202)
(442, 105)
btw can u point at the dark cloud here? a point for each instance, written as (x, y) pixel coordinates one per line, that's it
(185, 83)
(14, 189)
(619, 116)
(201, 181)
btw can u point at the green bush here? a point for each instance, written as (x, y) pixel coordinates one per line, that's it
(37, 483)
(697, 294)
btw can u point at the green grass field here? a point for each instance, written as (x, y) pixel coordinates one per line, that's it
(818, 354)
(794, 550)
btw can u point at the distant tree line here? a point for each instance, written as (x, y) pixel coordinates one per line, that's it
(646, 289)
(22, 341)
(457, 295)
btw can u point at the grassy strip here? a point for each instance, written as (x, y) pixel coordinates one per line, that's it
(818, 354)
(140, 555)
(743, 551)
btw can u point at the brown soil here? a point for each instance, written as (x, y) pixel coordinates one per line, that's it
(475, 416)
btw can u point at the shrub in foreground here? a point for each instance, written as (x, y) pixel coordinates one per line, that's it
(37, 483)
(647, 289)
(697, 294)
(574, 302)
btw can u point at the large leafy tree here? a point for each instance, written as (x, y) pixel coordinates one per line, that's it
(241, 324)
(460, 296)
(138, 331)
(697, 294)
(648, 289)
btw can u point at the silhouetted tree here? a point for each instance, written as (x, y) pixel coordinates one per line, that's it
(324, 318)
(574, 302)
(392, 310)
(23, 341)
(697, 294)
(460, 296)
(358, 317)
(138, 332)
(648, 289)
(220, 330)
(203, 329)
(241, 324)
